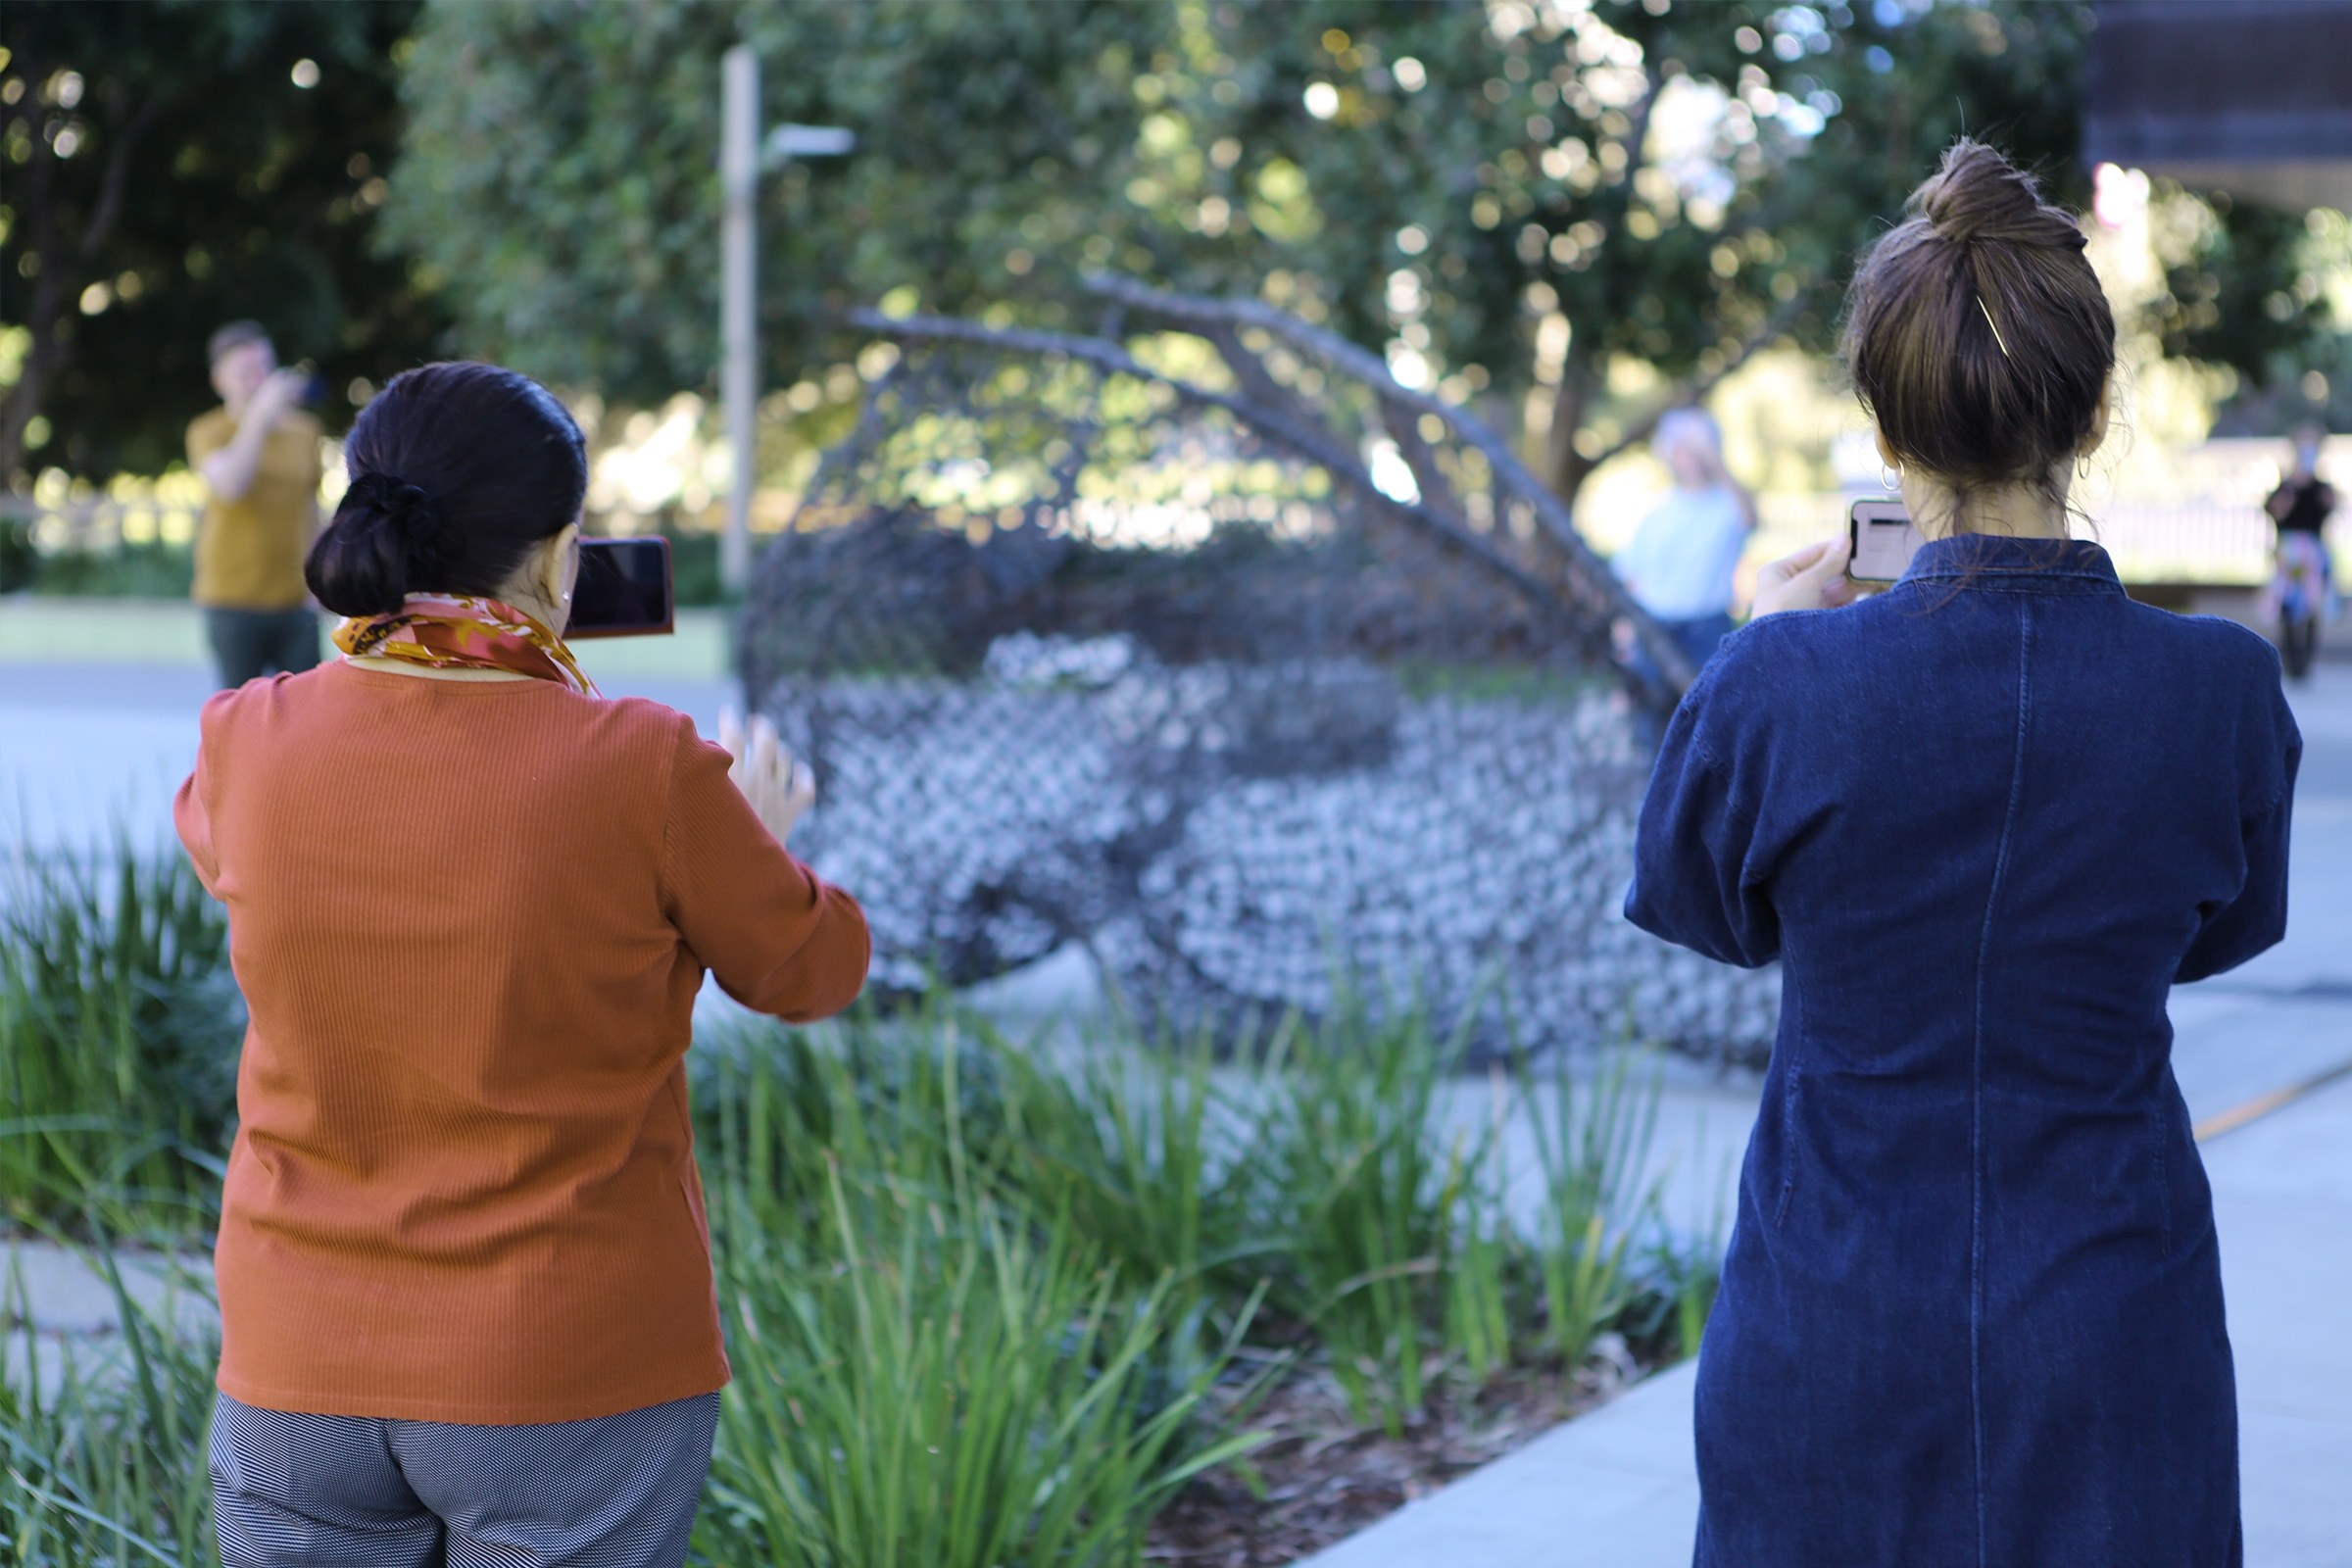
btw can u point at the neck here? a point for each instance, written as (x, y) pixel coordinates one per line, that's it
(532, 604)
(2017, 511)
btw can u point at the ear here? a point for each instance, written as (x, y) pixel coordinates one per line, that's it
(2098, 423)
(555, 565)
(1887, 453)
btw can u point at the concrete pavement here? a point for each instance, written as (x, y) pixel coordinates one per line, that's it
(98, 701)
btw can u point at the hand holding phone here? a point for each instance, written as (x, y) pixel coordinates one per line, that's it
(1811, 578)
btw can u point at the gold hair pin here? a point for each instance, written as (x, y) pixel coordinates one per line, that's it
(1995, 325)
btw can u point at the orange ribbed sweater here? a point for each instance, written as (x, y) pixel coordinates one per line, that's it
(469, 919)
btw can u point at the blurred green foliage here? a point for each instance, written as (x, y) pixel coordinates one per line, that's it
(126, 572)
(163, 170)
(2267, 293)
(694, 568)
(1444, 172)
(1675, 183)
(558, 171)
(20, 562)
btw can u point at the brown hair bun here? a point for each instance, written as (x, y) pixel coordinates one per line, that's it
(1977, 194)
(1975, 332)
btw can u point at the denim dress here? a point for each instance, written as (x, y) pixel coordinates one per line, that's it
(1971, 1312)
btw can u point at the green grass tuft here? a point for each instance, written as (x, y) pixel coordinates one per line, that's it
(988, 1301)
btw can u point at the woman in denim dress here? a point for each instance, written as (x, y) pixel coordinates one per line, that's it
(1986, 820)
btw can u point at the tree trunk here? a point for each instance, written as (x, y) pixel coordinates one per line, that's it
(62, 268)
(44, 355)
(1565, 469)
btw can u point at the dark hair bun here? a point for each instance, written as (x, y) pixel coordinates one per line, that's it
(382, 543)
(462, 470)
(1980, 195)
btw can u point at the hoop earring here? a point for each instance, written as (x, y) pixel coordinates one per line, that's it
(1891, 478)
(2082, 467)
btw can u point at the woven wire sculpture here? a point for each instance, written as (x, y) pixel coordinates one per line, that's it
(1205, 643)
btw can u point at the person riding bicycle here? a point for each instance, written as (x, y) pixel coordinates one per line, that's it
(2303, 589)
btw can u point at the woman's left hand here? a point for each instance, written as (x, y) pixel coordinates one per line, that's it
(779, 786)
(1813, 578)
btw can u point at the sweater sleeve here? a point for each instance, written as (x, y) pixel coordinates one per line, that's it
(780, 939)
(191, 807)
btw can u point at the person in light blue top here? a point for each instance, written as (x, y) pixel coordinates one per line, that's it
(1679, 564)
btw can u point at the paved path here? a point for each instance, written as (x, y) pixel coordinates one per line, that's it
(98, 701)
(1617, 1490)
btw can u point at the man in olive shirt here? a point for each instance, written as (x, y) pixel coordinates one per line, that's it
(260, 454)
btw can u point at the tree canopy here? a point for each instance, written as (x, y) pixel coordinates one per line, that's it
(1680, 183)
(170, 166)
(1504, 196)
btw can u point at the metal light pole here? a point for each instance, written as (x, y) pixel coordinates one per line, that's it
(739, 163)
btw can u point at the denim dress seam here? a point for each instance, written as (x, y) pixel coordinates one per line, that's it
(2163, 1178)
(1976, 1088)
(1792, 999)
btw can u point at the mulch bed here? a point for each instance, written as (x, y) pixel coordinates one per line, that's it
(1321, 1478)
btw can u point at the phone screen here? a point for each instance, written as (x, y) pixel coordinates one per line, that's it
(1883, 540)
(623, 589)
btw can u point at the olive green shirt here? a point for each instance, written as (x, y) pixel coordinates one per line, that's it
(249, 552)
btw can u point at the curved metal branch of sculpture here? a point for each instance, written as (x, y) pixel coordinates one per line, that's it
(1266, 679)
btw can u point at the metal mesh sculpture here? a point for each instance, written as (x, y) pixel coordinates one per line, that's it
(1205, 643)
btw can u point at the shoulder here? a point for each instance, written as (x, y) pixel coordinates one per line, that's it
(1750, 673)
(2233, 639)
(2221, 681)
(2250, 658)
(242, 715)
(2239, 649)
(641, 719)
(652, 737)
(210, 429)
(1770, 647)
(1793, 674)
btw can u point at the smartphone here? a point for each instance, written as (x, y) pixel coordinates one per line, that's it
(623, 589)
(1880, 539)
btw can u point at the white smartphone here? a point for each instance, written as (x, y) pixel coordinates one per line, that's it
(1881, 539)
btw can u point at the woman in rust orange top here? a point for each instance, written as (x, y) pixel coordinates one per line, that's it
(465, 1272)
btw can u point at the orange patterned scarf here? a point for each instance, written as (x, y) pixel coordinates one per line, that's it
(452, 632)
